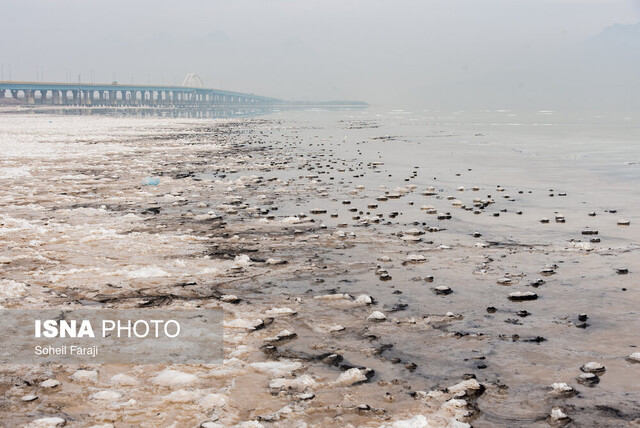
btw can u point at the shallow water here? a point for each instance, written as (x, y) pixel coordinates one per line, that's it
(78, 230)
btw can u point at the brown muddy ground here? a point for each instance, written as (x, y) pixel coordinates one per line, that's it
(301, 228)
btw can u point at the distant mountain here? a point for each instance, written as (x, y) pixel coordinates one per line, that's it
(603, 72)
(617, 35)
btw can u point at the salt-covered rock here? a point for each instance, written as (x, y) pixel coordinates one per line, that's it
(85, 376)
(593, 367)
(170, 377)
(182, 396)
(283, 335)
(557, 415)
(589, 379)
(442, 290)
(364, 299)
(335, 296)
(276, 368)
(376, 316)
(465, 387)
(47, 423)
(296, 384)
(124, 379)
(229, 298)
(280, 312)
(634, 358)
(415, 258)
(519, 296)
(108, 395)
(50, 383)
(350, 377)
(246, 324)
(211, 401)
(562, 388)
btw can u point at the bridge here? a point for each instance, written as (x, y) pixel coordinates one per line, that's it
(191, 94)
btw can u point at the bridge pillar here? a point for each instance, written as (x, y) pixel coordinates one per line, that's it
(29, 96)
(14, 94)
(63, 98)
(1, 93)
(55, 97)
(42, 99)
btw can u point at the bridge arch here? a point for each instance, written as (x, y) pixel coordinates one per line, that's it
(193, 80)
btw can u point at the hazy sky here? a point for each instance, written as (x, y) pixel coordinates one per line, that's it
(431, 53)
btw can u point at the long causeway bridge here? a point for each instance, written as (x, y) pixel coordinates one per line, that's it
(191, 94)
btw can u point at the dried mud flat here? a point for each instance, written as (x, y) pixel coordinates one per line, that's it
(355, 292)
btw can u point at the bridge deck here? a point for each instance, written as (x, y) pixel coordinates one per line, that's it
(96, 93)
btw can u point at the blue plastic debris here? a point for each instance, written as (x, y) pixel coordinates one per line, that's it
(150, 181)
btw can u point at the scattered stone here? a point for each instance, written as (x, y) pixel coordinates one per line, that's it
(467, 387)
(519, 296)
(107, 395)
(364, 299)
(298, 384)
(588, 379)
(284, 335)
(593, 367)
(562, 389)
(634, 358)
(623, 222)
(85, 376)
(376, 316)
(442, 290)
(29, 397)
(589, 232)
(276, 312)
(353, 376)
(173, 378)
(559, 417)
(230, 298)
(48, 423)
(50, 383)
(415, 258)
